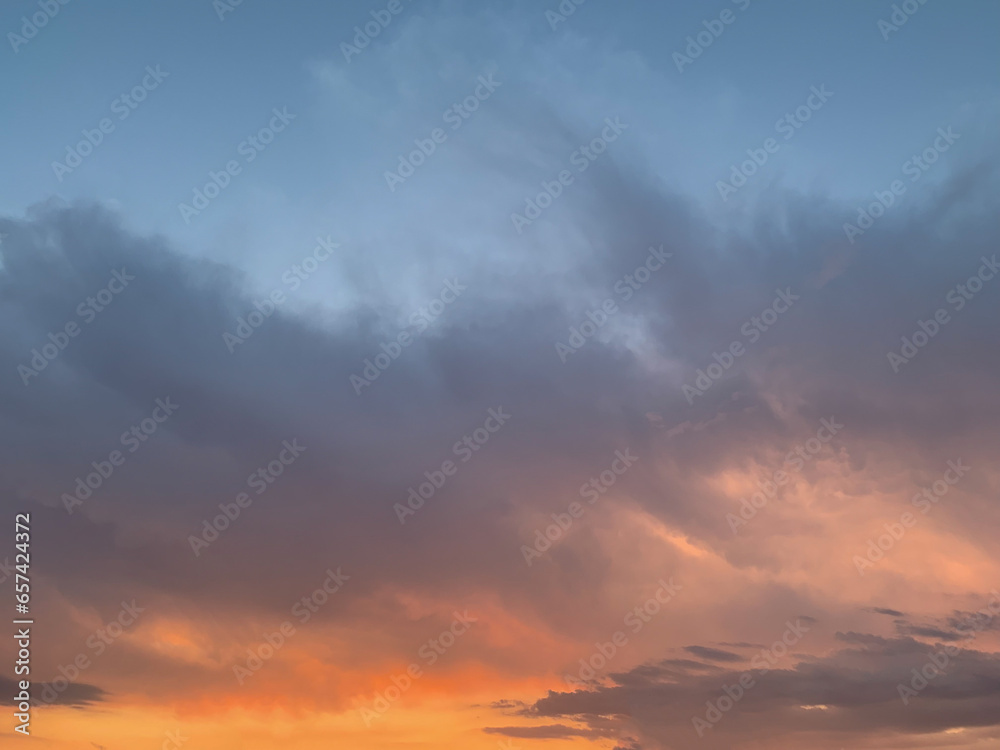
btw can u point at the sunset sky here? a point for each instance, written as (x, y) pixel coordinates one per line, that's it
(438, 375)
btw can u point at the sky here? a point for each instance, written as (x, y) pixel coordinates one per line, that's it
(420, 374)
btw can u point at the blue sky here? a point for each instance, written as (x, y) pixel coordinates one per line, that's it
(325, 174)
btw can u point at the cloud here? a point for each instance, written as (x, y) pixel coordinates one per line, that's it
(163, 337)
(75, 694)
(885, 611)
(926, 631)
(712, 654)
(856, 686)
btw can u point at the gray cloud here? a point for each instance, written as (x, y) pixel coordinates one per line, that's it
(858, 685)
(163, 337)
(712, 654)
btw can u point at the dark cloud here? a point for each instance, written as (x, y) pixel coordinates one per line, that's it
(885, 611)
(508, 705)
(75, 694)
(985, 619)
(856, 689)
(926, 631)
(712, 654)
